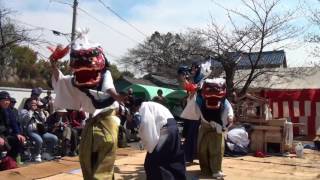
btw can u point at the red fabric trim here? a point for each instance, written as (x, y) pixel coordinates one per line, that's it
(300, 95)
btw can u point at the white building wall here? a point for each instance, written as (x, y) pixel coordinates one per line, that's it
(20, 94)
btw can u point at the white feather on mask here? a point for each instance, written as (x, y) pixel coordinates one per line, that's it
(81, 41)
(206, 68)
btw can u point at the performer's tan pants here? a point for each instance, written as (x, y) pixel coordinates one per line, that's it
(98, 147)
(210, 149)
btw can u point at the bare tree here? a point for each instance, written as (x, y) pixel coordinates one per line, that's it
(253, 31)
(163, 53)
(313, 13)
(10, 36)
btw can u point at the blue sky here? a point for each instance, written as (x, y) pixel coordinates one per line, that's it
(147, 15)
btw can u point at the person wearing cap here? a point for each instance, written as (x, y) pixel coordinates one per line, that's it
(191, 122)
(14, 117)
(10, 141)
(60, 125)
(15, 128)
(4, 104)
(160, 136)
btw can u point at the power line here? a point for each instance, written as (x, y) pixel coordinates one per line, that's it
(124, 20)
(103, 23)
(111, 55)
(55, 32)
(38, 27)
(61, 2)
(98, 20)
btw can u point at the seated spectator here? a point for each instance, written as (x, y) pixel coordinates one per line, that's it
(11, 141)
(37, 131)
(77, 119)
(42, 110)
(35, 94)
(14, 125)
(60, 125)
(48, 102)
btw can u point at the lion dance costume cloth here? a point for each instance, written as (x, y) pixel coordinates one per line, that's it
(211, 106)
(87, 90)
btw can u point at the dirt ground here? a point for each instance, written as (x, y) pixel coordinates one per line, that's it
(129, 165)
(240, 168)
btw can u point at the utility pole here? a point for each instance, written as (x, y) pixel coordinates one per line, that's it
(74, 20)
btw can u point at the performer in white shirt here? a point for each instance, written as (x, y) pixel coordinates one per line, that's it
(90, 88)
(159, 134)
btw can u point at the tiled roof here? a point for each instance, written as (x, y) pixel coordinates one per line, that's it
(269, 58)
(164, 80)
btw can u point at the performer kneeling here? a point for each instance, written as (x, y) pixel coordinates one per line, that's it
(159, 134)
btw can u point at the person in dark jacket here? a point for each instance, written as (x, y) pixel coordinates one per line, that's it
(14, 123)
(14, 126)
(11, 142)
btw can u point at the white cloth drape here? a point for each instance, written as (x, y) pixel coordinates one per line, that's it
(70, 97)
(191, 111)
(153, 117)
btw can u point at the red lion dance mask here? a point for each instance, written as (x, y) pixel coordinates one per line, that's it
(213, 91)
(88, 66)
(88, 63)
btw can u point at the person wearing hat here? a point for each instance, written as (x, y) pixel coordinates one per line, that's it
(191, 123)
(14, 123)
(4, 104)
(196, 72)
(10, 140)
(60, 125)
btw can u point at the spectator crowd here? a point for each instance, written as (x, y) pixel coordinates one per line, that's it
(39, 132)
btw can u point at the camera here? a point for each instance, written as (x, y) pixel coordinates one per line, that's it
(184, 70)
